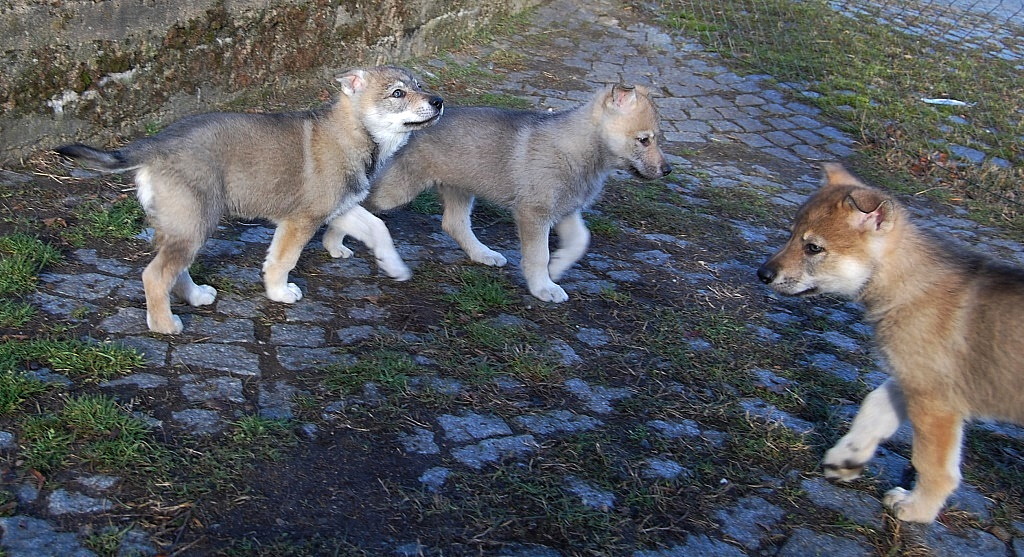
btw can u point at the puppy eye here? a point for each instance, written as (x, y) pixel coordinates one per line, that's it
(645, 141)
(398, 93)
(813, 249)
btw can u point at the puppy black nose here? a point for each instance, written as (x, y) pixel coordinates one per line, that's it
(666, 169)
(436, 102)
(766, 274)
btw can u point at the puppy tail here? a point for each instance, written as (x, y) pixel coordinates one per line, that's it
(98, 159)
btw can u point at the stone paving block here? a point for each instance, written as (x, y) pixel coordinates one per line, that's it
(752, 125)
(783, 154)
(760, 409)
(807, 543)
(277, 400)
(854, 505)
(598, 399)
(286, 334)
(696, 546)
(472, 427)
(750, 520)
(942, 542)
(24, 536)
(492, 450)
(590, 496)
(295, 358)
(199, 422)
(434, 478)
(558, 421)
(64, 502)
(829, 363)
(781, 138)
(420, 441)
(84, 286)
(222, 357)
(227, 330)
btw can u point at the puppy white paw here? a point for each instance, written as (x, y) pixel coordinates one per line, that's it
(395, 268)
(908, 506)
(550, 292)
(202, 295)
(337, 249)
(289, 294)
(489, 257)
(170, 326)
(846, 460)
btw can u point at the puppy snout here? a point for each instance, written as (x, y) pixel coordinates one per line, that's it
(766, 274)
(666, 169)
(436, 102)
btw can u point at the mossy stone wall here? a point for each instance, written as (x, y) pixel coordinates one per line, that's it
(100, 70)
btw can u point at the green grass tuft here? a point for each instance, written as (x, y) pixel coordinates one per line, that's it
(388, 368)
(83, 360)
(480, 291)
(21, 259)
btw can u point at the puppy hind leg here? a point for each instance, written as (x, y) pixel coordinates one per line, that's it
(282, 255)
(456, 222)
(938, 436)
(573, 240)
(159, 277)
(880, 415)
(334, 239)
(371, 230)
(195, 294)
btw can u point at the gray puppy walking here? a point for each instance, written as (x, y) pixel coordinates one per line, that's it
(545, 167)
(296, 170)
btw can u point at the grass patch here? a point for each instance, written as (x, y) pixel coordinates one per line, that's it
(15, 314)
(84, 361)
(871, 77)
(426, 203)
(15, 388)
(90, 430)
(602, 226)
(263, 436)
(21, 259)
(389, 368)
(479, 291)
(120, 220)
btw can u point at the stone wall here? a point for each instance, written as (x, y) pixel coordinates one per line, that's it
(100, 70)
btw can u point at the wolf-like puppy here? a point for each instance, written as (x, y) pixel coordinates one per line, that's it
(947, 323)
(296, 170)
(545, 167)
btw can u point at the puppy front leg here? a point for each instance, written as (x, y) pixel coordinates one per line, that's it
(880, 415)
(370, 230)
(282, 255)
(456, 222)
(533, 235)
(573, 239)
(938, 434)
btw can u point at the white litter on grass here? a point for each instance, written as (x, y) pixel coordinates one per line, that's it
(948, 102)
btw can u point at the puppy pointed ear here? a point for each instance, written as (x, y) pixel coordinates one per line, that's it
(870, 210)
(834, 173)
(352, 82)
(623, 97)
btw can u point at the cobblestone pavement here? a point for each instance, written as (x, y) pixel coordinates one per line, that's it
(728, 132)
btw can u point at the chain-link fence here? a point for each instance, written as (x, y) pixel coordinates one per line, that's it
(935, 87)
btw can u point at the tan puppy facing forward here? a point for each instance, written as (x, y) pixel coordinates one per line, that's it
(947, 323)
(297, 170)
